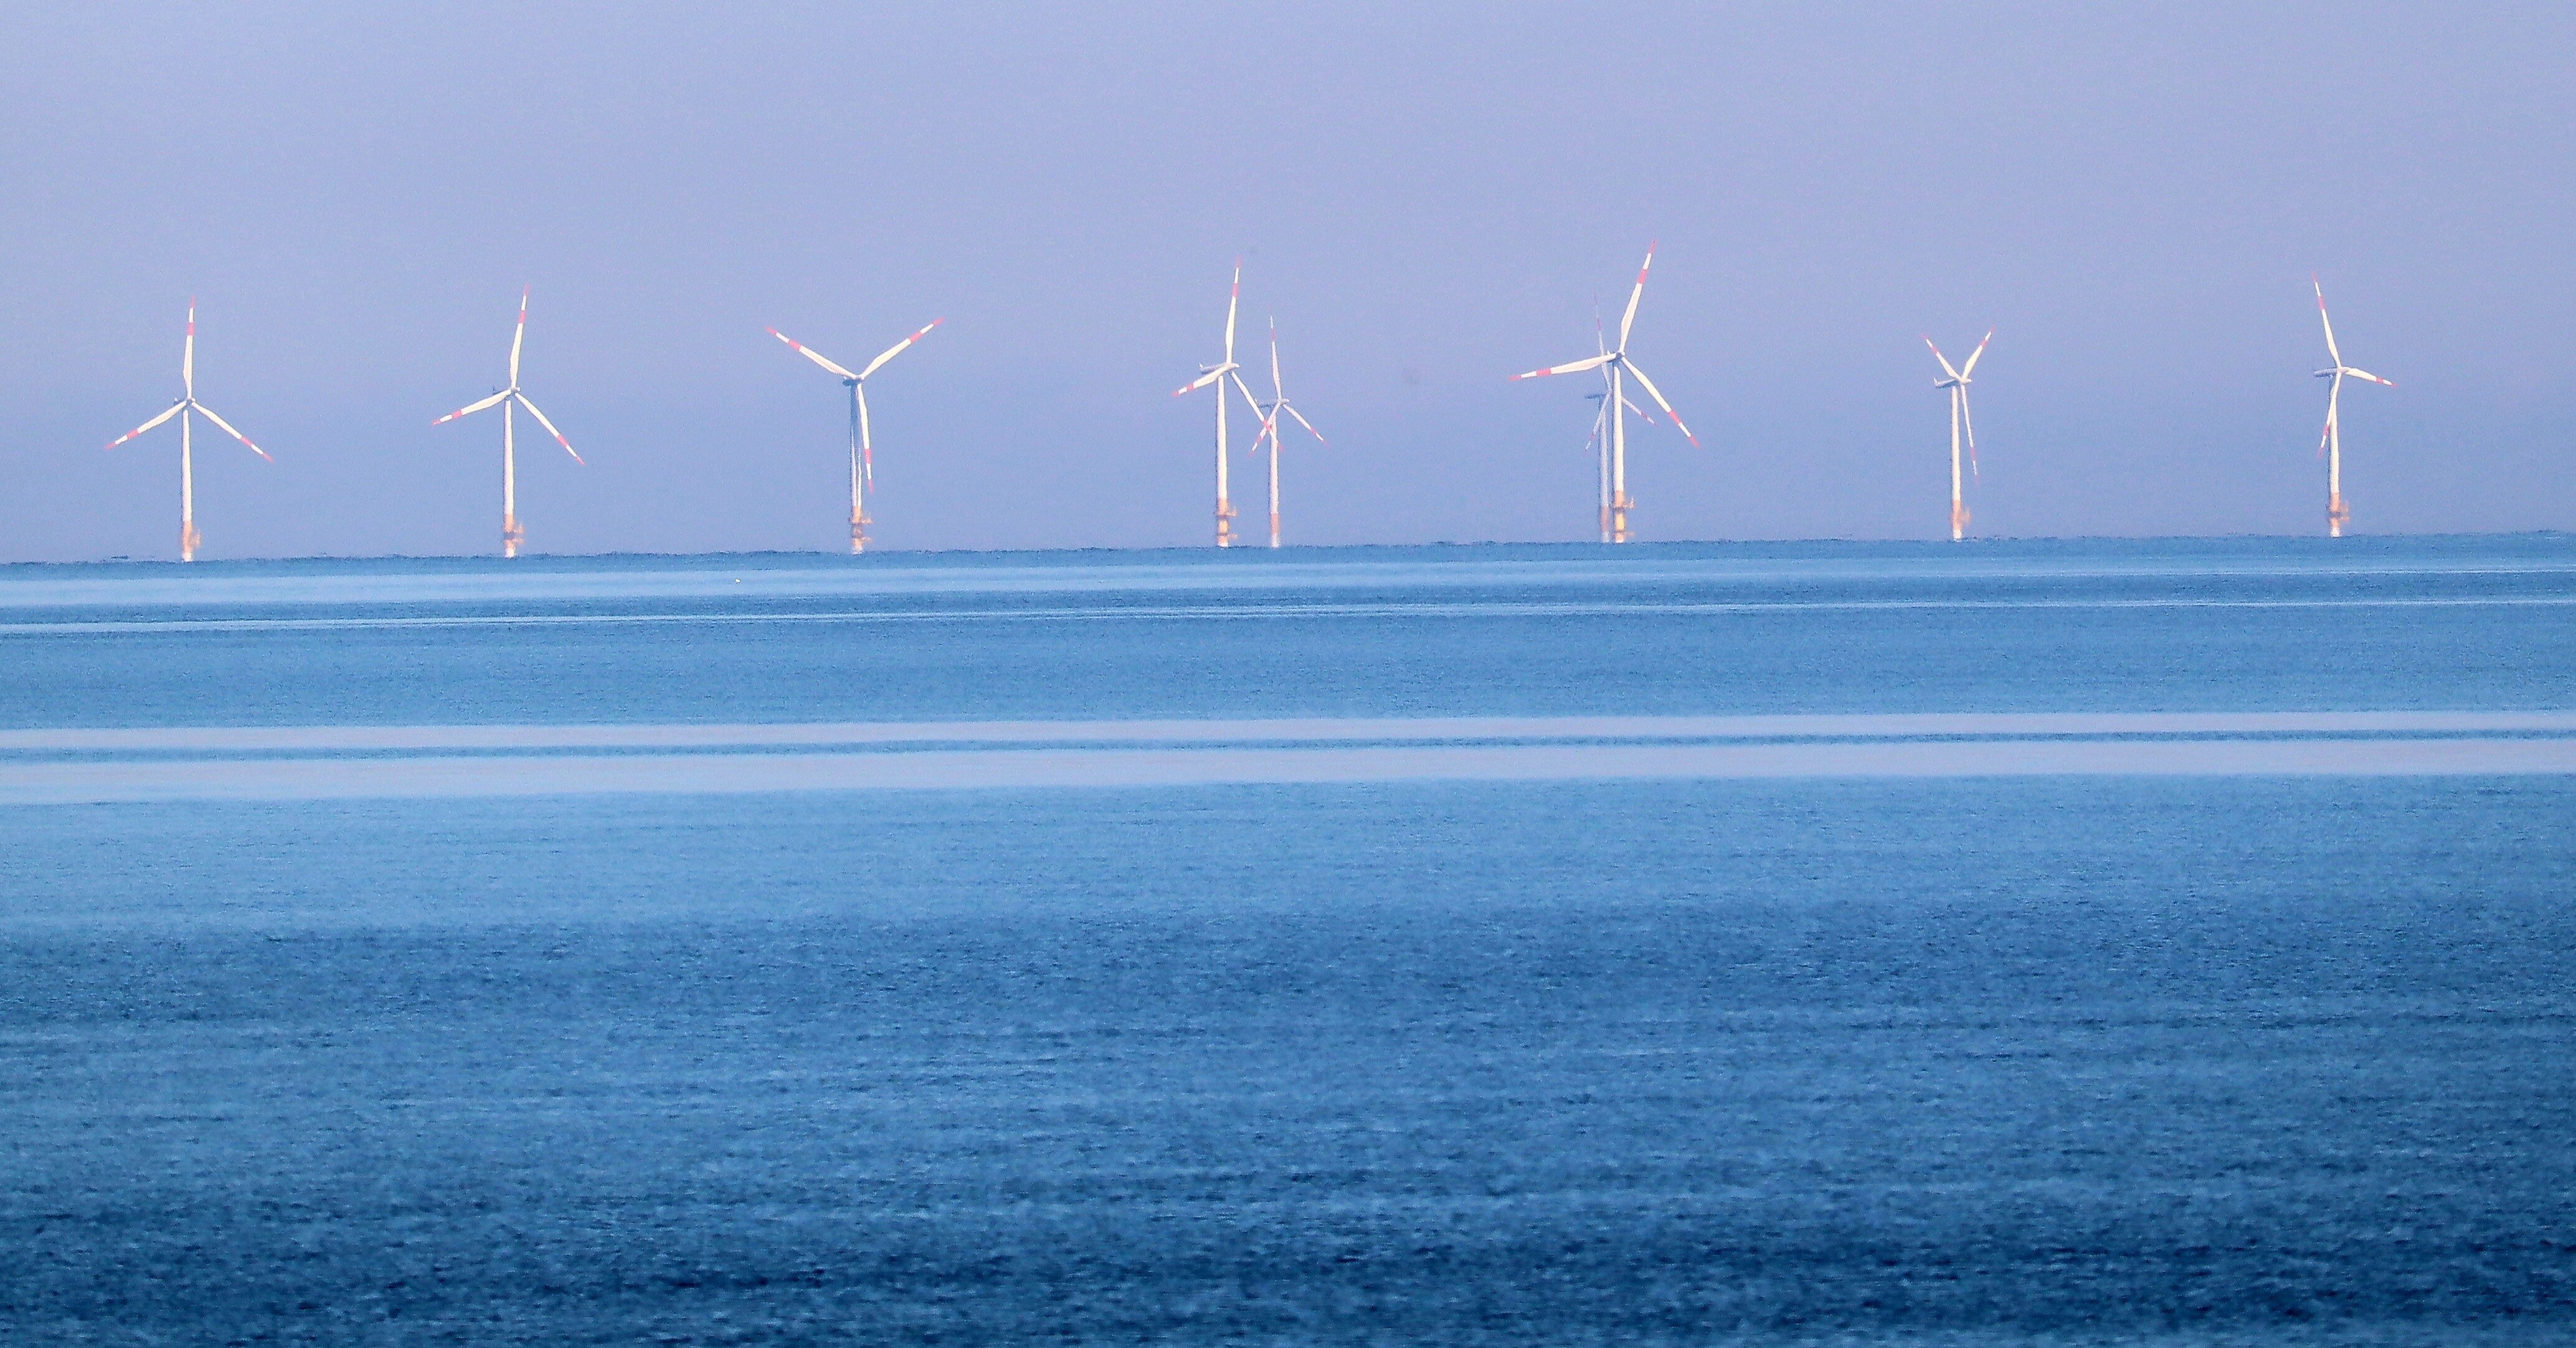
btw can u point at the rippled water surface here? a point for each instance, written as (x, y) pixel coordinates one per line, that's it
(1362, 632)
(2043, 1039)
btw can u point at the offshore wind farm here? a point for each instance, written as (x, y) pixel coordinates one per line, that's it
(1609, 431)
(1647, 845)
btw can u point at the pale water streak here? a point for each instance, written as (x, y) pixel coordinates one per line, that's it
(291, 739)
(1488, 567)
(76, 766)
(1130, 613)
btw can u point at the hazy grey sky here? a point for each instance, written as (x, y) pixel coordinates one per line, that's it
(1430, 198)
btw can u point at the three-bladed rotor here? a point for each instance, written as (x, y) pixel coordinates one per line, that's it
(513, 393)
(1618, 358)
(187, 400)
(1279, 403)
(1957, 382)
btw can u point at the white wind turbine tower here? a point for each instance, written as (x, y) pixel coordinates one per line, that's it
(1957, 383)
(1217, 374)
(1621, 368)
(1599, 439)
(863, 462)
(185, 409)
(511, 534)
(1270, 429)
(2331, 443)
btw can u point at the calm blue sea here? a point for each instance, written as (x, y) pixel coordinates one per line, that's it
(791, 949)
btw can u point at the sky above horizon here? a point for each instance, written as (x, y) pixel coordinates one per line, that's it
(1429, 199)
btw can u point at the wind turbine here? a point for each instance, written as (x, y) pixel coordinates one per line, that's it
(1599, 439)
(1217, 374)
(2331, 443)
(863, 463)
(184, 409)
(1270, 429)
(511, 534)
(1957, 383)
(1620, 367)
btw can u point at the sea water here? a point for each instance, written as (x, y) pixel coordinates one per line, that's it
(2008, 943)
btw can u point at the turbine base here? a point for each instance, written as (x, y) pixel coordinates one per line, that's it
(511, 535)
(1224, 523)
(1958, 522)
(188, 541)
(1619, 508)
(2337, 515)
(859, 534)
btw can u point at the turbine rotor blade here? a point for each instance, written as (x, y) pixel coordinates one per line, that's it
(550, 428)
(1945, 362)
(1630, 319)
(1310, 426)
(2334, 395)
(1231, 301)
(810, 354)
(2328, 322)
(1269, 432)
(867, 436)
(1971, 367)
(228, 428)
(1590, 363)
(2365, 374)
(1275, 387)
(1246, 391)
(898, 348)
(1658, 395)
(471, 408)
(1970, 423)
(519, 337)
(1201, 382)
(188, 353)
(172, 411)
